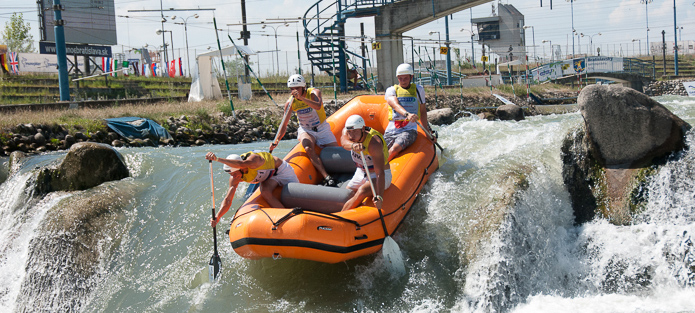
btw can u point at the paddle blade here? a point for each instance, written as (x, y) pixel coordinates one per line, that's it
(214, 267)
(393, 257)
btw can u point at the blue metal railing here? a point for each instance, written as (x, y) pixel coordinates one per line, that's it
(324, 34)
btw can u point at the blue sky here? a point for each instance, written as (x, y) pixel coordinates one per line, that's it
(618, 21)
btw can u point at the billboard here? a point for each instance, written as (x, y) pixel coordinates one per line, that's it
(72, 49)
(86, 21)
(41, 63)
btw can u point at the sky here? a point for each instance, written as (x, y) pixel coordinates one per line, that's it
(619, 22)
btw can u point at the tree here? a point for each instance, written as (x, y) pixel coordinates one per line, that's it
(235, 66)
(16, 34)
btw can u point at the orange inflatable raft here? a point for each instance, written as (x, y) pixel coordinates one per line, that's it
(307, 229)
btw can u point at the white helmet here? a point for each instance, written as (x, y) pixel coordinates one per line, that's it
(404, 69)
(296, 80)
(354, 122)
(228, 168)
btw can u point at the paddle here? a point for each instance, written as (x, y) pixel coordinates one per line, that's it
(429, 135)
(389, 249)
(215, 261)
(253, 187)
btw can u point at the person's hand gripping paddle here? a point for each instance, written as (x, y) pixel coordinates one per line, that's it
(215, 261)
(389, 249)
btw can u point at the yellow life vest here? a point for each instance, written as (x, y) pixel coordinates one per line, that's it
(367, 139)
(257, 175)
(308, 118)
(409, 100)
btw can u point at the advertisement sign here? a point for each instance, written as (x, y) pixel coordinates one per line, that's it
(41, 63)
(690, 88)
(92, 51)
(86, 21)
(556, 70)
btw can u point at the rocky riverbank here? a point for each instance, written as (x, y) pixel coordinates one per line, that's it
(667, 87)
(195, 130)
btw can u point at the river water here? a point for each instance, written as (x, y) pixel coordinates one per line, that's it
(536, 261)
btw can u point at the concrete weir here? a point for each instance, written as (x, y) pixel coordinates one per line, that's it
(397, 18)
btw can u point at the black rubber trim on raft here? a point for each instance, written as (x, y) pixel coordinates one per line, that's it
(305, 244)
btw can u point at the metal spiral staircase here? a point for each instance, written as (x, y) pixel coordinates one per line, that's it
(324, 31)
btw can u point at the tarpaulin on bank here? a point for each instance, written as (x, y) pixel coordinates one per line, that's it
(137, 127)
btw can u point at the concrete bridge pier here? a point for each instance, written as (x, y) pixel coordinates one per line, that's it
(396, 18)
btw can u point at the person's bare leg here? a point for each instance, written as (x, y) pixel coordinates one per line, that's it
(395, 150)
(357, 197)
(308, 142)
(267, 188)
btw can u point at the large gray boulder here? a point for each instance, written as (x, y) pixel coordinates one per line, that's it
(440, 116)
(606, 163)
(509, 112)
(75, 237)
(86, 165)
(625, 126)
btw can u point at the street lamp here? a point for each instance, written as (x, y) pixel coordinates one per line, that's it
(276, 43)
(579, 42)
(639, 44)
(439, 42)
(472, 48)
(573, 30)
(551, 49)
(646, 9)
(533, 31)
(185, 28)
(591, 41)
(171, 37)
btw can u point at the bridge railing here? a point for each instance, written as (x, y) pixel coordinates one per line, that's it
(639, 67)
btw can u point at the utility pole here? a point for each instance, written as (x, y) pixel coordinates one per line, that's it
(164, 45)
(449, 80)
(675, 39)
(364, 52)
(245, 35)
(663, 48)
(61, 52)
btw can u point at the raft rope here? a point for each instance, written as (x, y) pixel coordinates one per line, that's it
(297, 211)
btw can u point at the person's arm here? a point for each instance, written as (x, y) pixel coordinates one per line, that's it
(375, 150)
(283, 126)
(345, 142)
(228, 198)
(314, 101)
(392, 101)
(253, 161)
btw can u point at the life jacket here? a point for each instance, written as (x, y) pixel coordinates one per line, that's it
(308, 118)
(409, 100)
(367, 139)
(257, 175)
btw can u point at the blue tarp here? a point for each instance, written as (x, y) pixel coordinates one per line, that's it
(137, 127)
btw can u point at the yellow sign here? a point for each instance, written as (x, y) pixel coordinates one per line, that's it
(376, 46)
(443, 50)
(483, 58)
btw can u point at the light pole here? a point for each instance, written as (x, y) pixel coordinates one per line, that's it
(551, 49)
(185, 29)
(439, 43)
(591, 41)
(675, 40)
(573, 30)
(579, 42)
(472, 48)
(639, 44)
(171, 37)
(533, 32)
(276, 43)
(646, 14)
